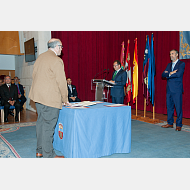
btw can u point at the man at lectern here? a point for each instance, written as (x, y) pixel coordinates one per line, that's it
(119, 78)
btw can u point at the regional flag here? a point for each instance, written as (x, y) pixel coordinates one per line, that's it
(122, 55)
(135, 73)
(146, 63)
(151, 72)
(128, 70)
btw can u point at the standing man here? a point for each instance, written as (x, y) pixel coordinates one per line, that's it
(174, 75)
(9, 97)
(21, 96)
(72, 91)
(119, 78)
(48, 91)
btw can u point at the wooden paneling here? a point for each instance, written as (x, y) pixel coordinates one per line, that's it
(9, 43)
(8, 72)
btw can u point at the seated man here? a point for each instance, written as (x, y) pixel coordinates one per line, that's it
(72, 92)
(21, 96)
(9, 97)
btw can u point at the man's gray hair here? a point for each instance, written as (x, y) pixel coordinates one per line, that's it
(53, 44)
(175, 51)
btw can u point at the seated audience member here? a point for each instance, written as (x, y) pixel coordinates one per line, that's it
(9, 97)
(72, 92)
(21, 96)
(1, 82)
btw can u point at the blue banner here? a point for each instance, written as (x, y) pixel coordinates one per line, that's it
(184, 52)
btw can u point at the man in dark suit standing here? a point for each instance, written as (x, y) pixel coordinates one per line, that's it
(72, 91)
(119, 78)
(21, 96)
(174, 75)
(9, 95)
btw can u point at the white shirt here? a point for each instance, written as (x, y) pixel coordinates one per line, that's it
(174, 63)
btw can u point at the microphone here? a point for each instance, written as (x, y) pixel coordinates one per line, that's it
(106, 73)
(100, 72)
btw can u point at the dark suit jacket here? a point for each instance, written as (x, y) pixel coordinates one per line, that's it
(21, 89)
(6, 95)
(120, 80)
(74, 91)
(175, 81)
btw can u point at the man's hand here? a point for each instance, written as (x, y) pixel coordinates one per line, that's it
(171, 73)
(73, 98)
(112, 81)
(67, 104)
(165, 71)
(19, 95)
(11, 102)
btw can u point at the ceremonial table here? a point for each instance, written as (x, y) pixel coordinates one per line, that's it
(93, 132)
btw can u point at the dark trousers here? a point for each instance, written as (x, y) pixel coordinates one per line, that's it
(7, 106)
(118, 100)
(174, 99)
(22, 101)
(45, 126)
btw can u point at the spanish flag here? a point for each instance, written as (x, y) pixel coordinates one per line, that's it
(135, 73)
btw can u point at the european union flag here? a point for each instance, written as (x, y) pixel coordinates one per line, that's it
(184, 52)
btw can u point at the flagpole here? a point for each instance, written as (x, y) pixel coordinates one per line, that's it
(136, 106)
(144, 107)
(154, 111)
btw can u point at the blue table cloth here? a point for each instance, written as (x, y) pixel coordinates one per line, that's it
(93, 132)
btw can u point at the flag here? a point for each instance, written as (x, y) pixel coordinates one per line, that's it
(128, 70)
(146, 63)
(151, 72)
(122, 55)
(135, 73)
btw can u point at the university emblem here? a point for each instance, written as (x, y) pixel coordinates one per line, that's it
(60, 131)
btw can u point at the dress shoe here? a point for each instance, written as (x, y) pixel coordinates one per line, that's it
(38, 155)
(59, 157)
(5, 120)
(16, 119)
(178, 128)
(167, 126)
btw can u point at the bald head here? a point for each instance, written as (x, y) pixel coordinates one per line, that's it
(56, 45)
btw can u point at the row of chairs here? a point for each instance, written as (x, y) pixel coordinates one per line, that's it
(11, 108)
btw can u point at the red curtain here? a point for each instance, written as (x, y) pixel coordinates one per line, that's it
(85, 53)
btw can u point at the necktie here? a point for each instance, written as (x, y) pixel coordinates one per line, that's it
(114, 74)
(9, 87)
(18, 89)
(173, 64)
(70, 88)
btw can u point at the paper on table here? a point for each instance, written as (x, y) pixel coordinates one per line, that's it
(115, 105)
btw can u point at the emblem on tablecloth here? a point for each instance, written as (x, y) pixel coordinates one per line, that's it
(60, 131)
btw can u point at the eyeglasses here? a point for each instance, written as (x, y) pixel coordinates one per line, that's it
(115, 65)
(61, 46)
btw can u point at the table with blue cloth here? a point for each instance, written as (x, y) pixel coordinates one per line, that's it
(93, 132)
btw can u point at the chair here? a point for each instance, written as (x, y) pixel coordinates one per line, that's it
(11, 108)
(2, 114)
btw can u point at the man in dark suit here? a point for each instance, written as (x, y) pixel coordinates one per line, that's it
(174, 75)
(72, 91)
(9, 95)
(21, 96)
(119, 78)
